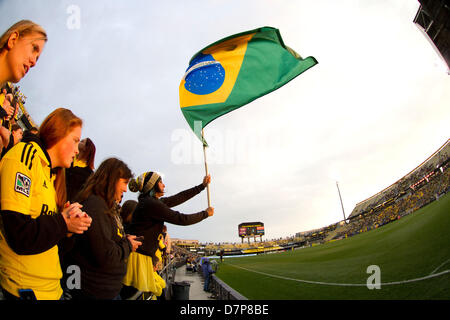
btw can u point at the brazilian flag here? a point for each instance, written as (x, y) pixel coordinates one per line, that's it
(234, 71)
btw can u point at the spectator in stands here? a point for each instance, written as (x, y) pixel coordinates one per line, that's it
(10, 118)
(30, 132)
(167, 241)
(6, 112)
(207, 272)
(148, 220)
(161, 251)
(17, 133)
(5, 90)
(102, 251)
(159, 283)
(167, 257)
(14, 138)
(16, 105)
(82, 167)
(20, 48)
(126, 213)
(34, 213)
(3, 93)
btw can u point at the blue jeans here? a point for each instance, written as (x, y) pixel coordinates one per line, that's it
(206, 285)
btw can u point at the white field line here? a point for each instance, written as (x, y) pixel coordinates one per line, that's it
(443, 264)
(344, 284)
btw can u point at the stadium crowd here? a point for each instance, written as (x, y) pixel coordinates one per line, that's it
(63, 233)
(426, 184)
(400, 205)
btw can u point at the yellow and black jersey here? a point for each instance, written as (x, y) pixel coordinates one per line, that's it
(30, 226)
(161, 247)
(3, 113)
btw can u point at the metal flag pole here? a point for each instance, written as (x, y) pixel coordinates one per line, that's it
(342, 205)
(206, 170)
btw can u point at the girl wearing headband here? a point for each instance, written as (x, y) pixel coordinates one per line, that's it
(148, 221)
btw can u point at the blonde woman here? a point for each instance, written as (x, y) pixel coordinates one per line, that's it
(20, 48)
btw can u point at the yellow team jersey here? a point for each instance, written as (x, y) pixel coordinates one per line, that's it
(26, 186)
(79, 163)
(2, 99)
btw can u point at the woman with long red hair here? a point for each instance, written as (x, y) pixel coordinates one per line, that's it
(34, 213)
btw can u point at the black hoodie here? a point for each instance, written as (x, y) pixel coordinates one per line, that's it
(151, 213)
(101, 253)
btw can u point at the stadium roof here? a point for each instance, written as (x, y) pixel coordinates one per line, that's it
(433, 19)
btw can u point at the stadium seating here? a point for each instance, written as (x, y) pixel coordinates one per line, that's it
(424, 184)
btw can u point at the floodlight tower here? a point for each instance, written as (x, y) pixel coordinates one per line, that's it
(342, 205)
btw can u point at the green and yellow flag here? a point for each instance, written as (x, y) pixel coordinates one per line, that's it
(234, 71)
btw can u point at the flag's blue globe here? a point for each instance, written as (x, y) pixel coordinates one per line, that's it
(204, 75)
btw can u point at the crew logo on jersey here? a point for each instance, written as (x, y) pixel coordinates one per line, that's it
(23, 184)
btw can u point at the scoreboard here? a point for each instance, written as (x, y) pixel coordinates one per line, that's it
(251, 229)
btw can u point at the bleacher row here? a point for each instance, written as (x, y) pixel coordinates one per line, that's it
(414, 179)
(411, 193)
(398, 208)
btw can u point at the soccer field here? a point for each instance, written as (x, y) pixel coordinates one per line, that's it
(412, 254)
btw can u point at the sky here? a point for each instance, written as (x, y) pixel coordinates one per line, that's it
(374, 108)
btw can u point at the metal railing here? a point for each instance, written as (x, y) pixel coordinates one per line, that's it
(222, 291)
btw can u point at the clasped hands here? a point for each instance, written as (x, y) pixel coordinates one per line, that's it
(77, 221)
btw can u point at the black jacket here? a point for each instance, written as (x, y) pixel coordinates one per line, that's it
(151, 213)
(75, 179)
(101, 252)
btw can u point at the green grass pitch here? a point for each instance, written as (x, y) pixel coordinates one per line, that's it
(411, 248)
